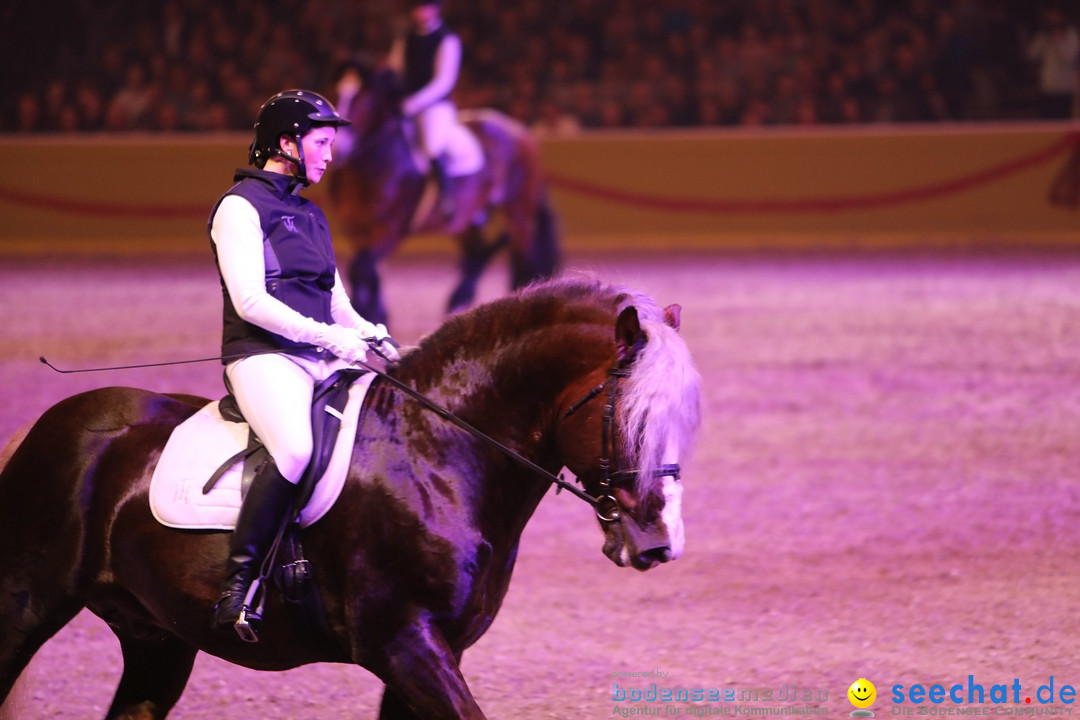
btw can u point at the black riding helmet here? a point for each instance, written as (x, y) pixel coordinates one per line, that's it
(293, 113)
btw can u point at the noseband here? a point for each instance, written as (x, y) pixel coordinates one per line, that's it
(607, 507)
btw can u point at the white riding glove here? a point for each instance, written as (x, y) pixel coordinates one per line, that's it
(379, 338)
(388, 349)
(347, 343)
(385, 344)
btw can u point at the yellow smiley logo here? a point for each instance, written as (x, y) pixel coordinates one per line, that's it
(862, 693)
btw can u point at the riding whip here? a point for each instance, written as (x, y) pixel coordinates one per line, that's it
(217, 358)
(442, 412)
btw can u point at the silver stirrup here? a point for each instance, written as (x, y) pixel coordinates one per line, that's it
(243, 626)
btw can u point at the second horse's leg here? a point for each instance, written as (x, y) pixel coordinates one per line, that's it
(476, 253)
(367, 287)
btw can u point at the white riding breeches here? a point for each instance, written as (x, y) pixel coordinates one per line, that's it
(274, 394)
(436, 123)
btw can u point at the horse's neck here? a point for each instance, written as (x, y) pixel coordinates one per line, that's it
(508, 394)
(385, 160)
(477, 391)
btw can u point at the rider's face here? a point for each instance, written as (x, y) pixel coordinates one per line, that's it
(318, 146)
(424, 15)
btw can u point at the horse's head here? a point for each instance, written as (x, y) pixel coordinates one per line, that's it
(369, 95)
(624, 437)
(580, 374)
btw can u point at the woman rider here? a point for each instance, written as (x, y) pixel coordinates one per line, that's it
(287, 321)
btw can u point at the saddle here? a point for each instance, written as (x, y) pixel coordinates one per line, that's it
(327, 405)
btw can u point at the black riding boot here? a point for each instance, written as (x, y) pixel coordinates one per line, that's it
(442, 182)
(261, 515)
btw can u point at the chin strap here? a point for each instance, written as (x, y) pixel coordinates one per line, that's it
(301, 167)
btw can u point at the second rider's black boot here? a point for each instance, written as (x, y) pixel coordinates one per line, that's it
(442, 182)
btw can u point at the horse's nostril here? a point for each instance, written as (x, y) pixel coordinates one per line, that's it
(654, 556)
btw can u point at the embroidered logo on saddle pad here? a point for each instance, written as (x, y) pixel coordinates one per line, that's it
(201, 444)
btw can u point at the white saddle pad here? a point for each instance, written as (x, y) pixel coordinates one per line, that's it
(203, 442)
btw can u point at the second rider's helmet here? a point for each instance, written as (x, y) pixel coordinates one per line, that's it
(293, 113)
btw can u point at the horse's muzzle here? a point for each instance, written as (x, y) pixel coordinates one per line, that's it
(627, 544)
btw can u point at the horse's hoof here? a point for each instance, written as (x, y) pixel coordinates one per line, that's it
(143, 711)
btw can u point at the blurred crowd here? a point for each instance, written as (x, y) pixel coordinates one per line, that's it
(202, 65)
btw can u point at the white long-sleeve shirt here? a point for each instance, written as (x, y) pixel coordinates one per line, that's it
(238, 236)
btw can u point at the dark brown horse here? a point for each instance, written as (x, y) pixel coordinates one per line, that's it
(377, 189)
(415, 558)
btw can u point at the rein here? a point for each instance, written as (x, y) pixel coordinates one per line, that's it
(605, 505)
(445, 414)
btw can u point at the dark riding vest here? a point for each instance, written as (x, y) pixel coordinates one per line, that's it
(420, 51)
(299, 257)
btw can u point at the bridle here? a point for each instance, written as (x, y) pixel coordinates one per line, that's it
(605, 504)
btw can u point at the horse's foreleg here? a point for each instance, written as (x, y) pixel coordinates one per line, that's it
(392, 708)
(423, 678)
(546, 250)
(38, 595)
(535, 252)
(367, 287)
(476, 253)
(155, 673)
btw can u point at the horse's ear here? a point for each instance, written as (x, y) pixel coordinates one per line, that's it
(673, 315)
(628, 336)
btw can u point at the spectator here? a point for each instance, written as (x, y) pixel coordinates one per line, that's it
(834, 99)
(554, 122)
(749, 61)
(584, 103)
(132, 101)
(28, 114)
(953, 62)
(1056, 48)
(90, 105)
(612, 114)
(56, 105)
